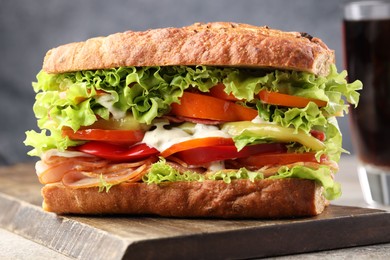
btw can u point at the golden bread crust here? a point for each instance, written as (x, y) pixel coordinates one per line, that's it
(239, 199)
(213, 44)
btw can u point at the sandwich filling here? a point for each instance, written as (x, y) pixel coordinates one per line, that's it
(188, 123)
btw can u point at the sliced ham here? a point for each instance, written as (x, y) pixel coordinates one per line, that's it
(77, 180)
(88, 171)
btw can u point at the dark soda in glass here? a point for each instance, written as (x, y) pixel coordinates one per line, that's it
(367, 57)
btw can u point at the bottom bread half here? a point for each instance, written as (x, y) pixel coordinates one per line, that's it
(239, 199)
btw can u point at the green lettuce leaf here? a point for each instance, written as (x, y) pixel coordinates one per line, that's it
(323, 176)
(72, 99)
(332, 88)
(332, 146)
(75, 99)
(161, 172)
(228, 175)
(43, 142)
(333, 143)
(304, 119)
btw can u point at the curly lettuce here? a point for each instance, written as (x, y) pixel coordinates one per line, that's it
(78, 99)
(322, 175)
(160, 172)
(75, 99)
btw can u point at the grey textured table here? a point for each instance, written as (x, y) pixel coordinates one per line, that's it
(13, 246)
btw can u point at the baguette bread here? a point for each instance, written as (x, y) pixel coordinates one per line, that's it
(238, 199)
(83, 114)
(213, 44)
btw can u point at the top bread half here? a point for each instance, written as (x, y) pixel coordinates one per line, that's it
(212, 44)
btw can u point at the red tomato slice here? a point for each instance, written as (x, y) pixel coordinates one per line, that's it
(218, 91)
(278, 159)
(118, 152)
(202, 155)
(196, 143)
(318, 134)
(280, 99)
(207, 107)
(114, 136)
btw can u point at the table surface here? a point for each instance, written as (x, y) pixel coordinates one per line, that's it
(13, 246)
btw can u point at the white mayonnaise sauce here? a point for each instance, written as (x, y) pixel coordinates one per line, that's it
(257, 120)
(108, 102)
(68, 154)
(161, 138)
(216, 166)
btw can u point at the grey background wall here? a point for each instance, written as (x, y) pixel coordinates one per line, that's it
(29, 28)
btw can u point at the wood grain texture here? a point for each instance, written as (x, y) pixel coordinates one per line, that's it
(145, 237)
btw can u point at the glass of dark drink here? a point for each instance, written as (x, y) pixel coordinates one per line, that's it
(367, 56)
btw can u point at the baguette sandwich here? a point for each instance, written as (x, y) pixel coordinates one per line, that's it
(219, 120)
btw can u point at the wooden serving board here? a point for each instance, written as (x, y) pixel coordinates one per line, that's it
(145, 237)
